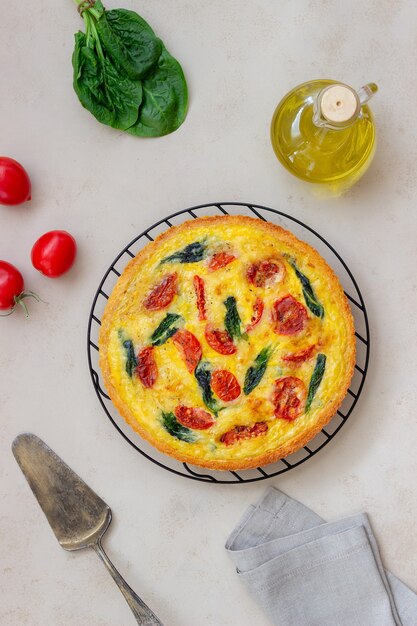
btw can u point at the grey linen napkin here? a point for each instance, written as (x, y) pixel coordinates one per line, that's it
(306, 572)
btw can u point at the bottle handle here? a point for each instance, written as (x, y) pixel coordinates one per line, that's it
(366, 92)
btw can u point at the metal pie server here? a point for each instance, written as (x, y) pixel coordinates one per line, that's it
(78, 517)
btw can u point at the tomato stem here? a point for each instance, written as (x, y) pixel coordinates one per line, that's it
(19, 300)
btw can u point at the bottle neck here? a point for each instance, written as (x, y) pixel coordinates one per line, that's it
(321, 122)
(338, 106)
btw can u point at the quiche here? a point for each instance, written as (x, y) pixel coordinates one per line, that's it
(227, 343)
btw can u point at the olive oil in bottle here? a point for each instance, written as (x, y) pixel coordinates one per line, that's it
(324, 132)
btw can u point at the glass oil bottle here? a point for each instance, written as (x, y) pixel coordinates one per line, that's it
(323, 132)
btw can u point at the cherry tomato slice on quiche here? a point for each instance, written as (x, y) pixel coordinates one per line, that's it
(199, 419)
(289, 316)
(266, 273)
(289, 397)
(225, 385)
(296, 358)
(219, 340)
(189, 347)
(258, 309)
(238, 433)
(219, 260)
(162, 294)
(201, 297)
(146, 369)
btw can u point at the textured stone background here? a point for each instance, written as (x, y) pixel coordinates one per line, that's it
(240, 57)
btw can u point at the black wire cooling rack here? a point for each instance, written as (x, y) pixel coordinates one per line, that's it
(302, 231)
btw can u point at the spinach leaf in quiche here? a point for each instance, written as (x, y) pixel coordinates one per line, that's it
(165, 330)
(203, 376)
(131, 360)
(256, 371)
(194, 252)
(174, 428)
(308, 292)
(232, 319)
(316, 379)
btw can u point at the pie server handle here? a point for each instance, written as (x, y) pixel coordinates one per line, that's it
(143, 614)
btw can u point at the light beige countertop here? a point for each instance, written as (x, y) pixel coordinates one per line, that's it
(240, 57)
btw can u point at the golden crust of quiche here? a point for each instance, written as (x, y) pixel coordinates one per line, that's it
(293, 444)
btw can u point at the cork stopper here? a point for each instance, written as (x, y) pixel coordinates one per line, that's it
(339, 104)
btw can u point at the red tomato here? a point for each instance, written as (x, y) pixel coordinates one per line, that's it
(194, 418)
(219, 260)
(289, 316)
(11, 289)
(14, 182)
(258, 309)
(201, 297)
(220, 341)
(54, 253)
(265, 273)
(11, 285)
(289, 397)
(225, 385)
(189, 347)
(162, 294)
(146, 369)
(244, 432)
(299, 357)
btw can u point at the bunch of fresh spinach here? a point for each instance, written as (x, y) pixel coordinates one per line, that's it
(124, 75)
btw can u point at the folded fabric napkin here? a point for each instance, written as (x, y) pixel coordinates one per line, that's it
(306, 572)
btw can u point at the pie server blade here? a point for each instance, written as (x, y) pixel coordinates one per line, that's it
(76, 514)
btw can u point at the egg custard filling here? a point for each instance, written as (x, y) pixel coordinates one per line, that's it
(227, 343)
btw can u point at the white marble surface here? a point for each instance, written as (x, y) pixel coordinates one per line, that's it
(240, 57)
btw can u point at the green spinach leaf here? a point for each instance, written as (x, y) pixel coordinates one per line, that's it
(174, 428)
(112, 97)
(203, 376)
(130, 41)
(308, 292)
(232, 319)
(131, 360)
(192, 253)
(165, 99)
(164, 330)
(256, 371)
(316, 379)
